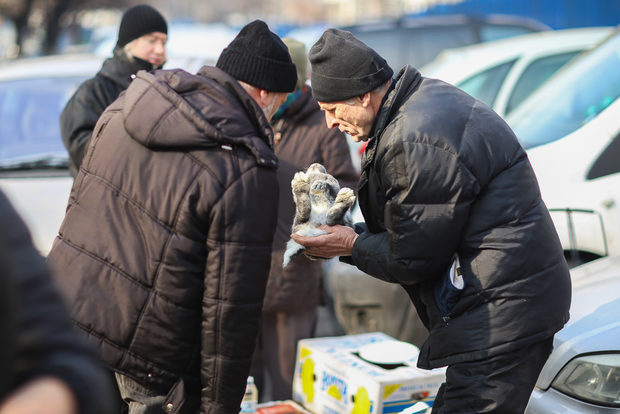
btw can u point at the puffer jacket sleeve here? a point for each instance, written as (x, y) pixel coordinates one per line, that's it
(78, 120)
(429, 193)
(46, 343)
(239, 255)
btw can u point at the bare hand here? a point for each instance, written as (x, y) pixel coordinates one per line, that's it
(338, 242)
(46, 395)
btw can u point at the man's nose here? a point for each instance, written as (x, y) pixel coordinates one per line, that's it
(331, 121)
(160, 48)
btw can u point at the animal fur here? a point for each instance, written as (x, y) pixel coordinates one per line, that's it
(318, 200)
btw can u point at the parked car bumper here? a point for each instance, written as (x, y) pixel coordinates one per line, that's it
(552, 401)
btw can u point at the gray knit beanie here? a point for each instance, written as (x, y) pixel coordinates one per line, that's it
(343, 67)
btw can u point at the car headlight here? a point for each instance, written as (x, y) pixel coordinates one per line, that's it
(592, 378)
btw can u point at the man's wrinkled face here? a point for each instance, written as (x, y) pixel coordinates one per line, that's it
(350, 117)
(150, 47)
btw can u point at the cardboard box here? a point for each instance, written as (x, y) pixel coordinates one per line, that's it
(331, 377)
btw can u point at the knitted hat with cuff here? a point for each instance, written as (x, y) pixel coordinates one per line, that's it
(343, 67)
(258, 57)
(138, 21)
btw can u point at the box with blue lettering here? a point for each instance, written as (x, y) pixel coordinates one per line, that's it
(369, 373)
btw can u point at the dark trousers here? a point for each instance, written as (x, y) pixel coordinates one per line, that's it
(276, 351)
(500, 385)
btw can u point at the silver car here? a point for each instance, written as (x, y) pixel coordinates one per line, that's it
(582, 375)
(33, 160)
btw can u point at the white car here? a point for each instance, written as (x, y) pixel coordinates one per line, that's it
(416, 40)
(33, 160)
(571, 129)
(504, 72)
(582, 374)
(579, 178)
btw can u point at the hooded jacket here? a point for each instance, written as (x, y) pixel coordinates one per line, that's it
(164, 251)
(444, 175)
(84, 108)
(301, 138)
(38, 339)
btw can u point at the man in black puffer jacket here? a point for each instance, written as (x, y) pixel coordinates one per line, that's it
(164, 251)
(141, 45)
(454, 214)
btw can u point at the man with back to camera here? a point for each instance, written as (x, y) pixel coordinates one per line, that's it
(141, 45)
(453, 213)
(164, 252)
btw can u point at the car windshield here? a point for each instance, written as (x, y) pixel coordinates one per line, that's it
(29, 122)
(485, 86)
(571, 99)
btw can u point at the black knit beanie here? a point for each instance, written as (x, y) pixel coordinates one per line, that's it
(343, 67)
(258, 57)
(138, 21)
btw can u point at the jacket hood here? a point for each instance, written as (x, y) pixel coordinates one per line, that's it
(175, 110)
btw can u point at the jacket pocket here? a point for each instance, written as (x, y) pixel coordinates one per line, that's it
(175, 399)
(449, 288)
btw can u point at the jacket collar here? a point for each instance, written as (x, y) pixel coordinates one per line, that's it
(407, 81)
(120, 69)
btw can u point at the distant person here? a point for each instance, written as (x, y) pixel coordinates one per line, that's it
(294, 293)
(141, 45)
(164, 252)
(452, 213)
(47, 368)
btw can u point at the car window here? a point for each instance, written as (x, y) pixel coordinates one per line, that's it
(537, 72)
(607, 163)
(569, 100)
(388, 43)
(29, 119)
(414, 46)
(490, 32)
(423, 45)
(484, 86)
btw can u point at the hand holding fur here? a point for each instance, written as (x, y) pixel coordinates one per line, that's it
(319, 200)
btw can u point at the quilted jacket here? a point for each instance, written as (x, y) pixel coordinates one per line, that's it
(164, 251)
(444, 175)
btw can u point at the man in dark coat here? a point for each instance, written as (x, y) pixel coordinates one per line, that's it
(453, 213)
(301, 138)
(141, 45)
(46, 366)
(165, 248)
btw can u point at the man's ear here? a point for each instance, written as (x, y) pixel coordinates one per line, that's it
(365, 99)
(263, 96)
